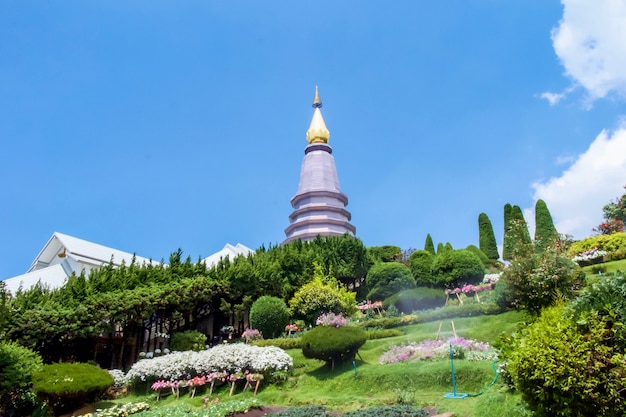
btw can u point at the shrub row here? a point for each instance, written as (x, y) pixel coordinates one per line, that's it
(614, 244)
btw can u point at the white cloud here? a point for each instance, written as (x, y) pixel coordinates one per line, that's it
(590, 42)
(576, 198)
(553, 98)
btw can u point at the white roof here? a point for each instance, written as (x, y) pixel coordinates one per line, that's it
(52, 277)
(64, 255)
(229, 250)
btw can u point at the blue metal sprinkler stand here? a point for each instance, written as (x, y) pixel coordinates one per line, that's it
(355, 372)
(454, 394)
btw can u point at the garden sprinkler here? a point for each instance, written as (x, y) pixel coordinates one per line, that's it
(454, 394)
(355, 372)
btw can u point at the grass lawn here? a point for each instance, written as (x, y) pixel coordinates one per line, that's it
(421, 383)
(609, 267)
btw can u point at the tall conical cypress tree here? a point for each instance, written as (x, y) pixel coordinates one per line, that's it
(507, 243)
(518, 216)
(545, 232)
(486, 238)
(429, 245)
(440, 248)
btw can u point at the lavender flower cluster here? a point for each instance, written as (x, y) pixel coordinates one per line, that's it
(332, 320)
(435, 349)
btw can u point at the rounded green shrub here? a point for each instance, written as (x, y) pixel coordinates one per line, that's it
(457, 267)
(563, 369)
(387, 278)
(269, 315)
(188, 340)
(65, 386)
(610, 243)
(17, 365)
(333, 344)
(421, 263)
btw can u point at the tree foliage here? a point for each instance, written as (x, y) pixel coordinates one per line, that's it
(62, 323)
(486, 237)
(269, 315)
(535, 280)
(322, 295)
(616, 210)
(386, 253)
(421, 264)
(545, 232)
(17, 365)
(429, 246)
(565, 368)
(507, 243)
(387, 278)
(454, 268)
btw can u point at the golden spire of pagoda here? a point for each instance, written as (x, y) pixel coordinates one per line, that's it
(317, 133)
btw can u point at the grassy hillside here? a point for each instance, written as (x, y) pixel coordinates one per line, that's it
(421, 383)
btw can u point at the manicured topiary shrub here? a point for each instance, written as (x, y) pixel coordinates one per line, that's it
(421, 263)
(65, 386)
(17, 365)
(387, 278)
(333, 344)
(487, 239)
(420, 298)
(188, 340)
(545, 232)
(457, 267)
(483, 258)
(270, 315)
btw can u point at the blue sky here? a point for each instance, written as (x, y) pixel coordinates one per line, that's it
(150, 126)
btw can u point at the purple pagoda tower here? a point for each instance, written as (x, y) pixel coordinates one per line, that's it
(319, 205)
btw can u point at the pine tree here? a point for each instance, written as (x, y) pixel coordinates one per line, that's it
(507, 244)
(429, 246)
(545, 232)
(486, 237)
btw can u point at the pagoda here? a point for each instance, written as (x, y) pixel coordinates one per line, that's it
(319, 205)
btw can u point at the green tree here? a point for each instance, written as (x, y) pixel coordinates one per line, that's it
(616, 210)
(453, 268)
(387, 278)
(545, 232)
(385, 253)
(269, 315)
(421, 263)
(486, 237)
(483, 258)
(535, 280)
(429, 245)
(521, 235)
(322, 295)
(507, 245)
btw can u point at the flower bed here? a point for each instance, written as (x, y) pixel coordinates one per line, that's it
(222, 358)
(437, 349)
